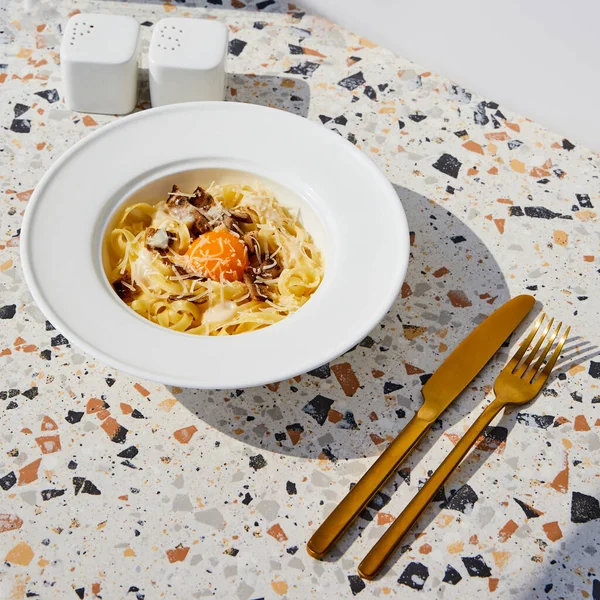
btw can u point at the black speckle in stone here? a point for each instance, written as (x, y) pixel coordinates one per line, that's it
(596, 590)
(50, 96)
(324, 118)
(292, 550)
(584, 201)
(462, 500)
(401, 124)
(329, 454)
(366, 515)
(128, 463)
(539, 421)
(80, 592)
(130, 452)
(561, 376)
(389, 387)
(379, 501)
(566, 144)
(31, 393)
(295, 427)
(318, 408)
(341, 120)
(490, 104)
(259, 25)
(461, 134)
(479, 114)
(21, 125)
(400, 413)
(456, 90)
(548, 587)
(425, 378)
(357, 585)
(594, 370)
(73, 417)
(449, 189)
(512, 144)
(147, 24)
(72, 465)
(49, 494)
(414, 576)
(368, 342)
(476, 566)
(8, 311)
(264, 4)
(258, 462)
(236, 46)
(3, 395)
(295, 49)
(110, 381)
(352, 81)
(530, 512)
(448, 165)
(584, 508)
(20, 109)
(59, 340)
(577, 396)
(533, 288)
(541, 212)
(12, 404)
(322, 372)
(306, 68)
(8, 481)
(216, 2)
(13, 392)
(458, 239)
(290, 488)
(370, 93)
(405, 474)
(452, 576)
(417, 118)
(120, 436)
(78, 484)
(90, 488)
(247, 499)
(136, 414)
(596, 400)
(280, 436)
(497, 433)
(515, 211)
(46, 354)
(347, 421)
(49, 326)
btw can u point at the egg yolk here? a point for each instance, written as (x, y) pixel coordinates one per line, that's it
(218, 255)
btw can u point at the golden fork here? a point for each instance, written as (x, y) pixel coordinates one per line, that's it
(518, 383)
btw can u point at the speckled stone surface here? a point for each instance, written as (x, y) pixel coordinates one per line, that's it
(112, 487)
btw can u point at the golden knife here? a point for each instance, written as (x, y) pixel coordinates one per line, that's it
(450, 379)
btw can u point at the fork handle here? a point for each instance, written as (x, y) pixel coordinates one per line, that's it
(370, 483)
(389, 541)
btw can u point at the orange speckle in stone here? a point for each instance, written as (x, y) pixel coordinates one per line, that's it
(94, 405)
(444, 520)
(441, 272)
(110, 426)
(455, 548)
(585, 215)
(185, 434)
(95, 588)
(48, 424)
(472, 171)
(539, 173)
(167, 405)
(367, 43)
(312, 52)
(19, 341)
(129, 552)
(26, 430)
(406, 290)
(24, 53)
(9, 522)
(561, 238)
(473, 147)
(141, 389)
(501, 559)
(273, 386)
(493, 583)
(295, 435)
(334, 416)
(278, 533)
(3, 77)
(576, 369)
(504, 201)
(168, 7)
(29, 473)
(40, 28)
(124, 498)
(6, 352)
(376, 439)
(458, 299)
(74, 12)
(279, 587)
(499, 224)
(493, 171)
(48, 444)
(517, 165)
(377, 373)
(588, 258)
(552, 531)
(412, 332)
(425, 549)
(346, 378)
(442, 347)
(506, 532)
(178, 554)
(21, 554)
(384, 518)
(88, 121)
(499, 136)
(581, 423)
(103, 414)
(24, 196)
(126, 408)
(513, 126)
(412, 370)
(387, 110)
(474, 539)
(6, 265)
(288, 83)
(43, 562)
(561, 481)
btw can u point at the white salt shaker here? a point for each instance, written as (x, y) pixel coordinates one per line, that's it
(98, 57)
(187, 60)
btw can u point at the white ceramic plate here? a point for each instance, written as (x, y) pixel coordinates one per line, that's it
(346, 203)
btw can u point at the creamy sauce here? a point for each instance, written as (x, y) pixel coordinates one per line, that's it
(220, 312)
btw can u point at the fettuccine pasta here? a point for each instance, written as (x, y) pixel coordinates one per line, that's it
(221, 261)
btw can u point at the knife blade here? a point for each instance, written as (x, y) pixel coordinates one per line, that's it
(448, 381)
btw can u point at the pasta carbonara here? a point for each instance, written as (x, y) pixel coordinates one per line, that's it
(225, 260)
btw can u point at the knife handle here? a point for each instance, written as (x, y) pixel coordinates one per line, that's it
(363, 492)
(389, 541)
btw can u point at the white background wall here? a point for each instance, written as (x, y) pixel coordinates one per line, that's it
(540, 58)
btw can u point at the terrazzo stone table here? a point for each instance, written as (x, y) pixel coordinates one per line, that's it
(111, 487)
